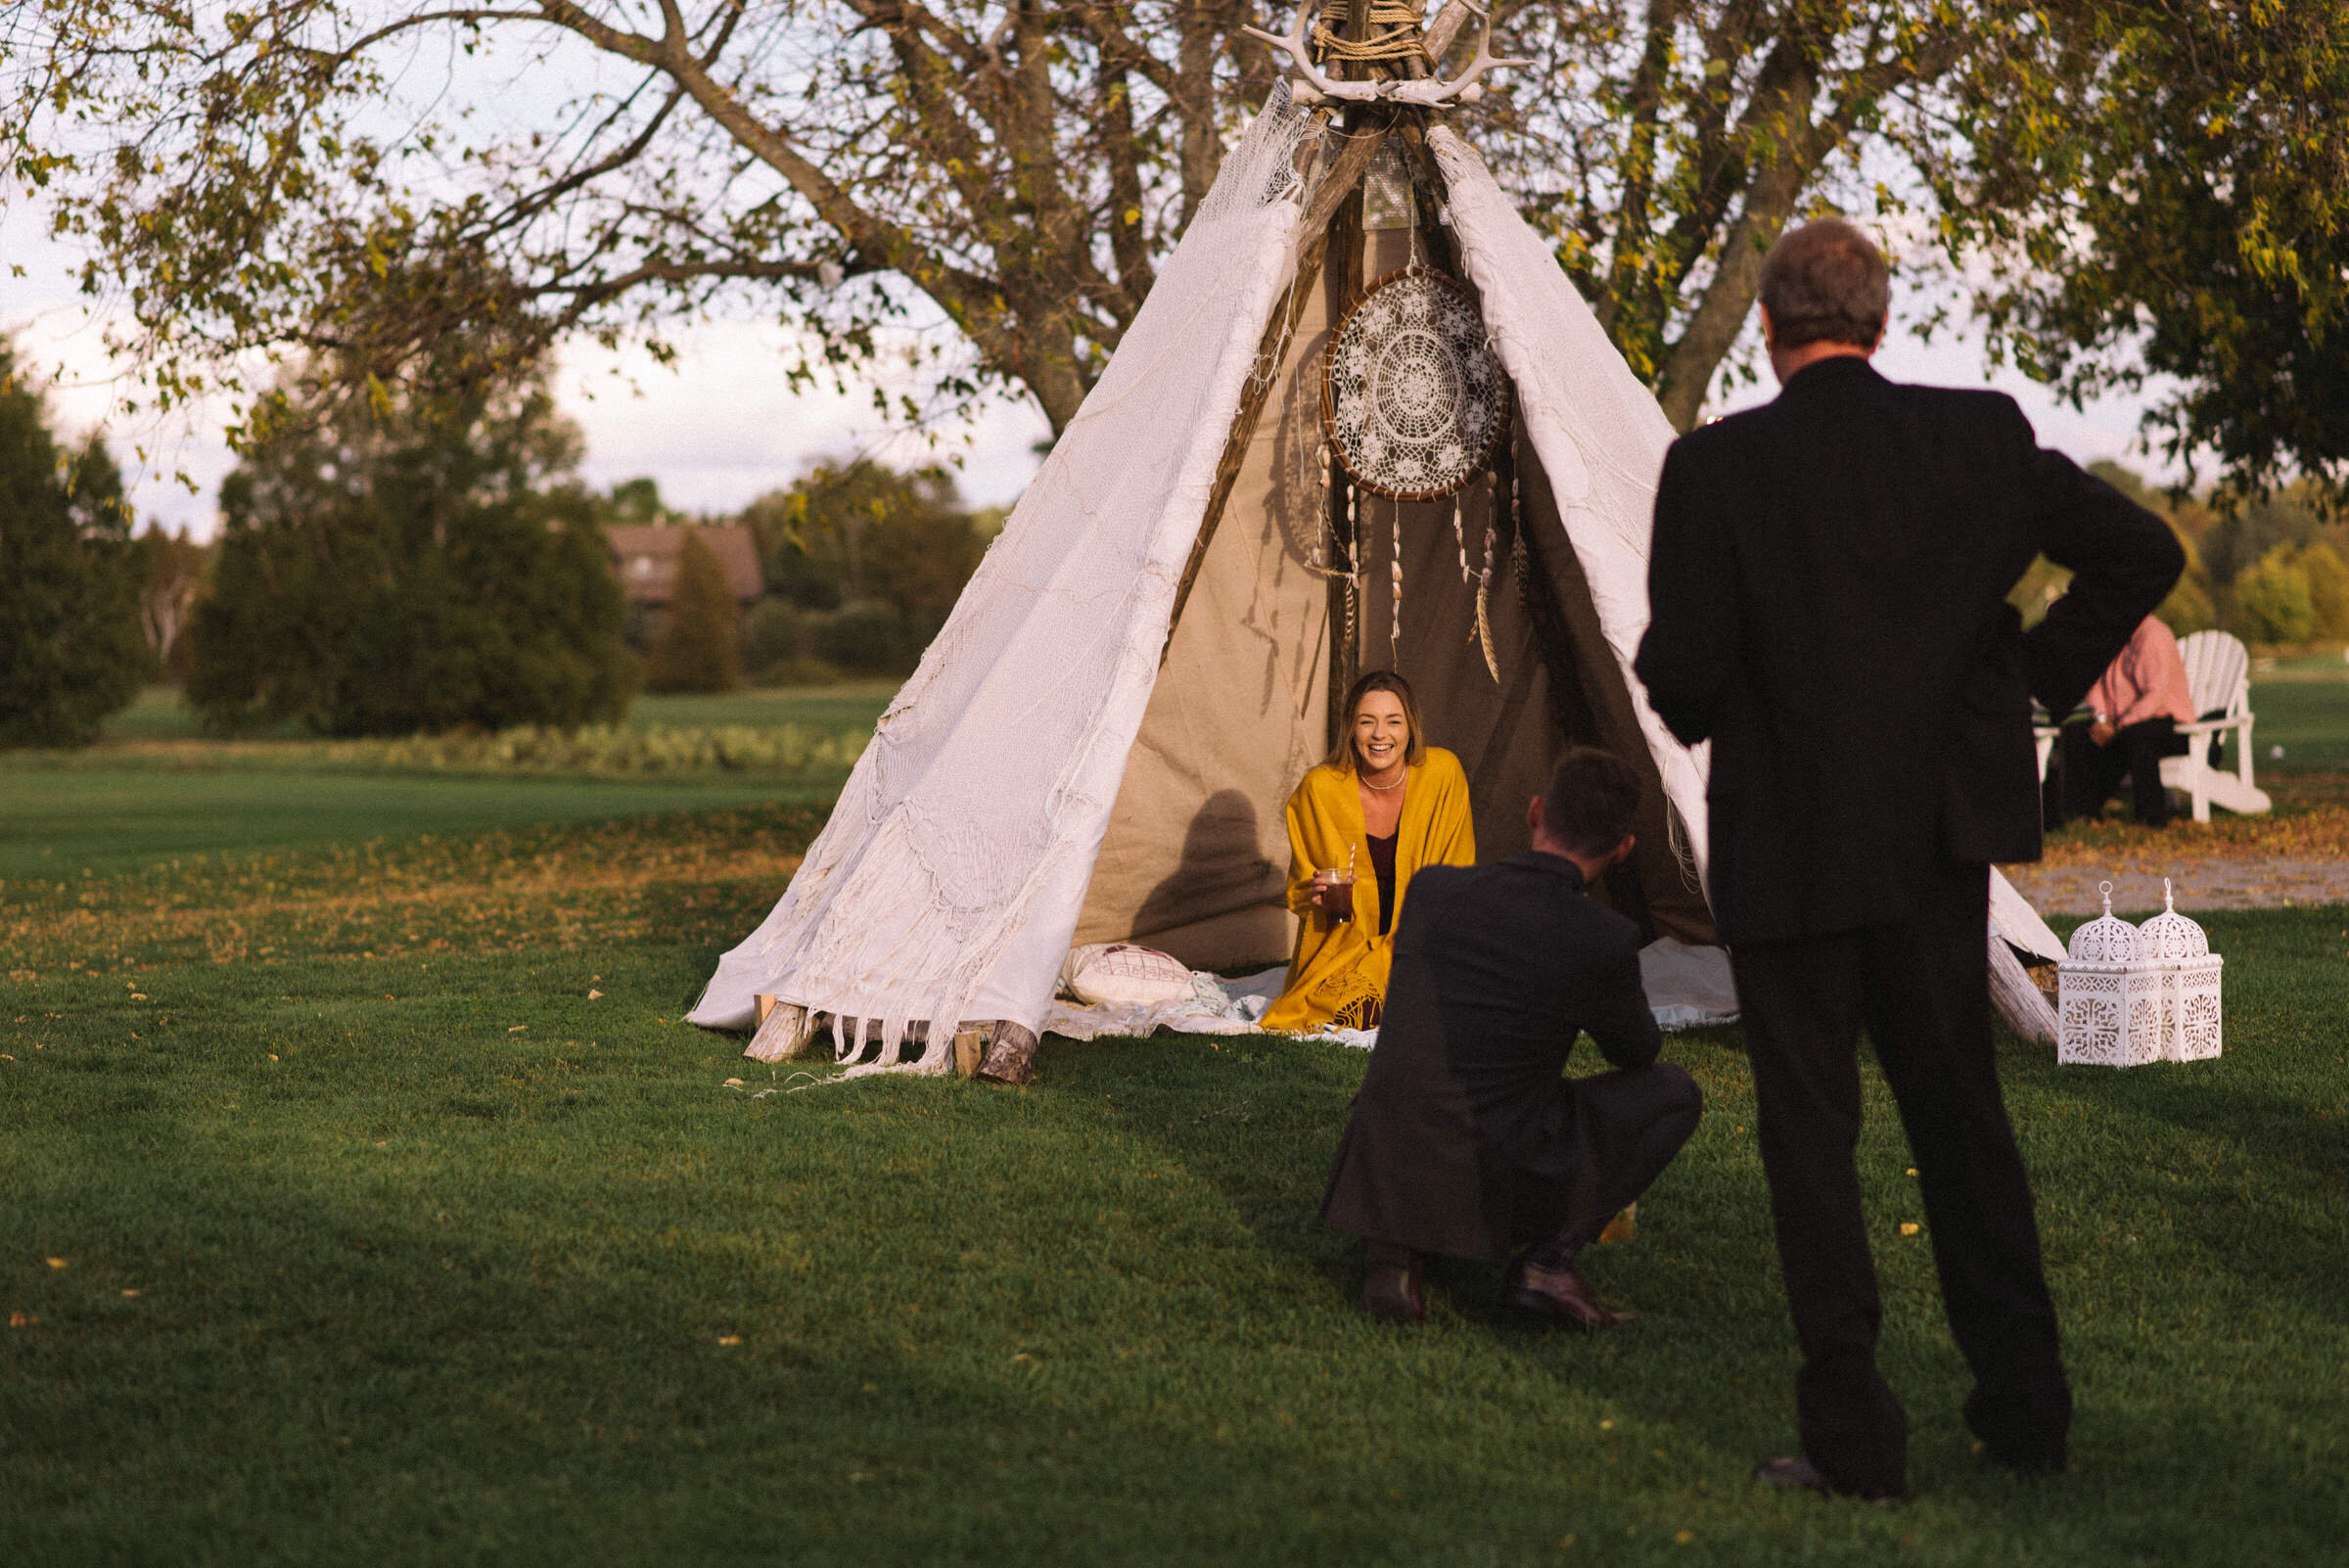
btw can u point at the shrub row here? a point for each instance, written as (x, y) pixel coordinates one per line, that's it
(794, 753)
(783, 751)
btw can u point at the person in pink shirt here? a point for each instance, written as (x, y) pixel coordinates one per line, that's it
(2134, 710)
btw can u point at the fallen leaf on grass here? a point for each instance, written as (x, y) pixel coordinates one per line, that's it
(1908, 1228)
(517, 1029)
(130, 1295)
(57, 1262)
(733, 1083)
(592, 994)
(21, 1319)
(730, 1339)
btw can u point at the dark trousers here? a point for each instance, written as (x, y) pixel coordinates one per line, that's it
(1629, 1123)
(2090, 773)
(1922, 990)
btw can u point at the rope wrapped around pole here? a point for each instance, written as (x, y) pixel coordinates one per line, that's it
(1394, 35)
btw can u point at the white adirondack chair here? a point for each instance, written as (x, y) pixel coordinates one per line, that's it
(2218, 679)
(2218, 675)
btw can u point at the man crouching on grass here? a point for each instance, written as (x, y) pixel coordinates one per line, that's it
(1465, 1139)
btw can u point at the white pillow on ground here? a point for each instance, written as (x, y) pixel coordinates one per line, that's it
(1119, 973)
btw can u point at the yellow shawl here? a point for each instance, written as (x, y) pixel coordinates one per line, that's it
(1338, 975)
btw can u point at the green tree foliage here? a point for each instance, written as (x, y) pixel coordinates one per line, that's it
(880, 556)
(70, 651)
(392, 563)
(2271, 600)
(699, 646)
(2178, 207)
(774, 636)
(2294, 593)
(173, 568)
(2327, 587)
(2237, 532)
(636, 503)
(1025, 168)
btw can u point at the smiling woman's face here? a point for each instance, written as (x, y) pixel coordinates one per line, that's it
(1382, 736)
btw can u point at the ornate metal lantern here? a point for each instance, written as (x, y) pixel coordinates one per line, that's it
(2132, 995)
(2109, 998)
(2190, 974)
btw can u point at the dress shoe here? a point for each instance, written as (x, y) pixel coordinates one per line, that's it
(1392, 1285)
(1558, 1296)
(1789, 1471)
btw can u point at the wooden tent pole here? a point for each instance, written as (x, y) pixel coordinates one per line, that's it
(1344, 180)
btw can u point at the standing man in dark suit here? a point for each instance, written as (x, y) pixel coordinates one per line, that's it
(1827, 592)
(1465, 1139)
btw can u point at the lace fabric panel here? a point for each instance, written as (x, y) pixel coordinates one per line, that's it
(1600, 435)
(948, 881)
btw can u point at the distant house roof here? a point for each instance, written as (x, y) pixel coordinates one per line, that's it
(646, 560)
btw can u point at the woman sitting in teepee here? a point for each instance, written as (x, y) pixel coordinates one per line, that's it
(1383, 805)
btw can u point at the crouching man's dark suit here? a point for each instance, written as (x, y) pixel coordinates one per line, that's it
(1827, 590)
(1465, 1139)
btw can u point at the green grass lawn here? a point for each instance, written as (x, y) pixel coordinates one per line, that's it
(431, 1258)
(148, 798)
(60, 824)
(2306, 712)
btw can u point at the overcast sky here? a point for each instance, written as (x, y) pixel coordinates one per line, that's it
(720, 427)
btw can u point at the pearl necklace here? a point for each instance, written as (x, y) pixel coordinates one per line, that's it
(1383, 787)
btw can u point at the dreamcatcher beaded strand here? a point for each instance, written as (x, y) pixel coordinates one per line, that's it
(1484, 579)
(1395, 573)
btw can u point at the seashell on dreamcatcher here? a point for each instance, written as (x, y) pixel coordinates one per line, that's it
(1412, 399)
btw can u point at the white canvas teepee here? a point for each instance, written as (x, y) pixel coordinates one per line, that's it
(967, 849)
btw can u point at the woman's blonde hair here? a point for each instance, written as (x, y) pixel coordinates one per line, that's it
(1341, 757)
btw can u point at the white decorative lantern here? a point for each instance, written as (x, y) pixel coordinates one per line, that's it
(2191, 982)
(2109, 998)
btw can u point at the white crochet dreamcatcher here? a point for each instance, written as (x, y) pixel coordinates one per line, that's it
(1414, 405)
(1412, 399)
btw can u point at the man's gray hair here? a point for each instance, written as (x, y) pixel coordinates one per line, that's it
(1826, 282)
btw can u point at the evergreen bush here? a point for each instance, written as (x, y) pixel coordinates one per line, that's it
(2271, 600)
(72, 650)
(699, 647)
(865, 639)
(393, 564)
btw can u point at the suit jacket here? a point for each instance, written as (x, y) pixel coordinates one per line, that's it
(1462, 1137)
(1827, 594)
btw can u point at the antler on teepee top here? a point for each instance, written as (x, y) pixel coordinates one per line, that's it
(1313, 84)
